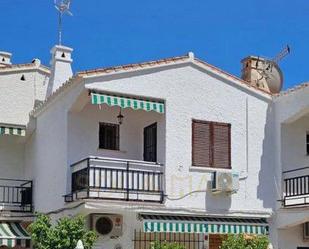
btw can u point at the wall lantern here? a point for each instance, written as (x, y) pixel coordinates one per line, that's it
(120, 117)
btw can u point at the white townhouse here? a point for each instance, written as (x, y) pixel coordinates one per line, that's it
(174, 149)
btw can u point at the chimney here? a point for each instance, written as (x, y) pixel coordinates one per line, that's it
(61, 69)
(253, 68)
(5, 59)
(262, 73)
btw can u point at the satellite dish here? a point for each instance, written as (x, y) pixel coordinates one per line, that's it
(273, 76)
(272, 72)
(265, 73)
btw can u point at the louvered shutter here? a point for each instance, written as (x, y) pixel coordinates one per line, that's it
(221, 145)
(201, 155)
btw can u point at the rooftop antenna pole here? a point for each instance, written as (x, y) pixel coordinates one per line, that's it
(281, 55)
(63, 7)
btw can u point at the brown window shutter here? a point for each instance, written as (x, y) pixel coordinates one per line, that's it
(201, 153)
(221, 145)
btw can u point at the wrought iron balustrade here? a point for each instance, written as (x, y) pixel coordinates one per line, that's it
(116, 179)
(15, 195)
(296, 188)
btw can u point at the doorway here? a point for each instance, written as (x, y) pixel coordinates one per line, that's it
(150, 143)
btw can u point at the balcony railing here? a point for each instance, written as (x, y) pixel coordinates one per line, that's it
(15, 195)
(296, 188)
(116, 179)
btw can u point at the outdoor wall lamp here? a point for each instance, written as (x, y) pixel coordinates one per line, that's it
(120, 117)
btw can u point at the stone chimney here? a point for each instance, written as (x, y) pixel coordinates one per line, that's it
(252, 72)
(61, 69)
(5, 59)
(262, 73)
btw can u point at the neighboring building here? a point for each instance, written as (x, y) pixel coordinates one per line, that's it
(175, 148)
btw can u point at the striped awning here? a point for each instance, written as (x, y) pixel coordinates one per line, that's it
(13, 234)
(125, 102)
(11, 130)
(187, 224)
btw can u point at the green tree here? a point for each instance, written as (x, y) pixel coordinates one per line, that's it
(241, 241)
(166, 245)
(63, 235)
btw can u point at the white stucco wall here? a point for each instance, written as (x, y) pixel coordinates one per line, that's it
(47, 155)
(11, 157)
(17, 97)
(294, 144)
(189, 93)
(291, 111)
(192, 94)
(83, 133)
(291, 238)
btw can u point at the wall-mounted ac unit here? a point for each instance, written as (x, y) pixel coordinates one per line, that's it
(225, 182)
(306, 230)
(107, 225)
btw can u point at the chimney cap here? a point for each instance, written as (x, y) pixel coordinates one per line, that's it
(191, 55)
(5, 58)
(61, 48)
(7, 54)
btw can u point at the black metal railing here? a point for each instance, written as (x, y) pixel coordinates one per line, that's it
(15, 195)
(116, 179)
(296, 188)
(145, 240)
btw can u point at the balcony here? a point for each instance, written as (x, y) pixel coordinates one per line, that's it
(116, 179)
(15, 195)
(296, 187)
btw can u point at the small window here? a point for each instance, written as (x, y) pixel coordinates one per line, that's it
(211, 144)
(307, 143)
(109, 136)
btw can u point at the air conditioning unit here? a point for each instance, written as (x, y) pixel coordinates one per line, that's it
(306, 231)
(107, 225)
(225, 182)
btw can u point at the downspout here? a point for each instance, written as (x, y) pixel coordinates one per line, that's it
(244, 173)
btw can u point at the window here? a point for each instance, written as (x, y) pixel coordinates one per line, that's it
(109, 136)
(211, 144)
(307, 143)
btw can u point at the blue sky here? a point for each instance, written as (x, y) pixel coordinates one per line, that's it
(105, 33)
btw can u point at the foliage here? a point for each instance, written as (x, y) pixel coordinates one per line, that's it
(241, 241)
(63, 235)
(166, 245)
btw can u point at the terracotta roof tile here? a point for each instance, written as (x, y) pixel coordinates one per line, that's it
(293, 89)
(166, 61)
(24, 66)
(143, 65)
(132, 66)
(231, 76)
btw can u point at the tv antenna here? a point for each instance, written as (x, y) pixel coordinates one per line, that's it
(283, 53)
(269, 70)
(63, 7)
(269, 63)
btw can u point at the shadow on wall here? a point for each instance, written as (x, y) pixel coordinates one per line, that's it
(267, 190)
(217, 202)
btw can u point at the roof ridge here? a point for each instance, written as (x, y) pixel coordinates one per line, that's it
(24, 66)
(143, 65)
(232, 76)
(293, 89)
(133, 65)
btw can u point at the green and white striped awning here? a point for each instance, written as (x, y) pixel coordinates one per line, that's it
(204, 225)
(13, 234)
(125, 102)
(184, 227)
(11, 130)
